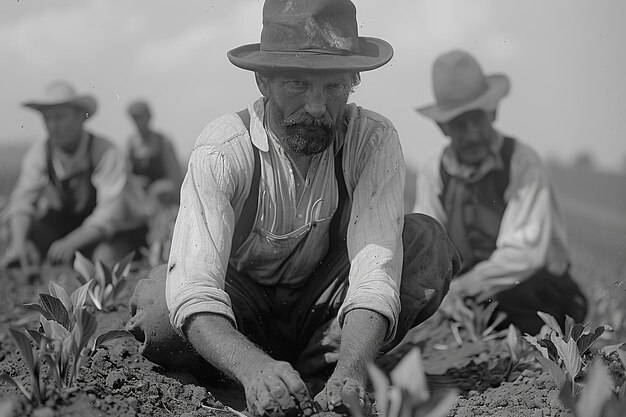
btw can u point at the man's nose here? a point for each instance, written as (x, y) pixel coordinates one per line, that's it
(316, 102)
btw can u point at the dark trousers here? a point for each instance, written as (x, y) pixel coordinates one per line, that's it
(557, 295)
(299, 325)
(44, 232)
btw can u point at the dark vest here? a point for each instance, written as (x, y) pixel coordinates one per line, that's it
(151, 167)
(72, 199)
(475, 208)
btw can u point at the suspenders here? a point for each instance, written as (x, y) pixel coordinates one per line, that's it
(246, 221)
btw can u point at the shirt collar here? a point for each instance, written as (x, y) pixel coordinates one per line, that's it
(470, 173)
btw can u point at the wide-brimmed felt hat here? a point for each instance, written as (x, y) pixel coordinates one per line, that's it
(311, 35)
(459, 85)
(62, 92)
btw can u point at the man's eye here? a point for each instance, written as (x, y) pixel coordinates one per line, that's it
(295, 84)
(336, 88)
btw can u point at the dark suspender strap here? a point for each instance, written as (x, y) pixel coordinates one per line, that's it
(341, 217)
(248, 214)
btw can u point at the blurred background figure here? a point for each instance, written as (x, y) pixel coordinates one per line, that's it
(494, 196)
(155, 164)
(74, 192)
(153, 157)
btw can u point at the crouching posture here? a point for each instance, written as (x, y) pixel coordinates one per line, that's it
(291, 256)
(494, 197)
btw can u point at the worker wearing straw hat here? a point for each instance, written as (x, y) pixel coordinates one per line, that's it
(495, 199)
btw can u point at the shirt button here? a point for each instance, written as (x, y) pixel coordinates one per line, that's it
(300, 215)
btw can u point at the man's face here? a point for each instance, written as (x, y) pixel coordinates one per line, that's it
(65, 125)
(471, 134)
(305, 108)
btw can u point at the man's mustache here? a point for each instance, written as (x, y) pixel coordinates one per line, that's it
(308, 120)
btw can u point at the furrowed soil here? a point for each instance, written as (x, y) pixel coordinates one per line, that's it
(118, 381)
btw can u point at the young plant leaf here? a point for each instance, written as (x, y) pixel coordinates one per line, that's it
(551, 322)
(598, 391)
(85, 268)
(86, 327)
(122, 268)
(79, 296)
(39, 309)
(56, 309)
(586, 340)
(108, 336)
(409, 374)
(568, 352)
(381, 384)
(555, 371)
(6, 378)
(59, 292)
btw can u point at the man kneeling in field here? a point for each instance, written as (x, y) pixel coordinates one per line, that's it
(291, 256)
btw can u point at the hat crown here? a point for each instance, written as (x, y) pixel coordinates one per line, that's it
(458, 79)
(59, 91)
(323, 26)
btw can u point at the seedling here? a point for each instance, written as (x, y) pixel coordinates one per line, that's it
(41, 390)
(563, 353)
(482, 325)
(405, 393)
(63, 341)
(521, 351)
(106, 284)
(599, 397)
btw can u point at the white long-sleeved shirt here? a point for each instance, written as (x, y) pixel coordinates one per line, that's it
(120, 202)
(290, 237)
(532, 232)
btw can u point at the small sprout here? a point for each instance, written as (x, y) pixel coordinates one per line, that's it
(405, 393)
(106, 284)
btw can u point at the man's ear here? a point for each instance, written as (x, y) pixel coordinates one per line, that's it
(262, 82)
(443, 126)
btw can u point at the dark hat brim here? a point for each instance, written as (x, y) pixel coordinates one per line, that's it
(373, 53)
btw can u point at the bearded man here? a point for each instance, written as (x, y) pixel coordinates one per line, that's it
(291, 256)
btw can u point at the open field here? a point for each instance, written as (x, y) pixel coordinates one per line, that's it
(118, 381)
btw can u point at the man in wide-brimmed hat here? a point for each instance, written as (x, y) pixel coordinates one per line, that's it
(291, 256)
(495, 199)
(73, 193)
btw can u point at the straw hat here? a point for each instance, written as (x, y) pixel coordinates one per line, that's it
(459, 85)
(61, 92)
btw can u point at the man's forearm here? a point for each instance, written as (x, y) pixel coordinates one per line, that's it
(84, 236)
(20, 226)
(220, 344)
(362, 336)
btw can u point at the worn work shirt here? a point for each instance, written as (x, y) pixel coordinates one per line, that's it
(120, 202)
(532, 232)
(290, 236)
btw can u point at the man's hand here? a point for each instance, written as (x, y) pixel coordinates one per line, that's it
(453, 305)
(275, 390)
(342, 394)
(61, 251)
(25, 254)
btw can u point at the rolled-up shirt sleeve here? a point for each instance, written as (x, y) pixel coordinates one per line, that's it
(374, 237)
(202, 239)
(32, 180)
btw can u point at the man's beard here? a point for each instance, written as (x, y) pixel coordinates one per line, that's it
(305, 135)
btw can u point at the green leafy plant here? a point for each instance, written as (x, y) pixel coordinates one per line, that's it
(482, 325)
(41, 390)
(599, 396)
(63, 340)
(521, 351)
(106, 284)
(562, 353)
(405, 392)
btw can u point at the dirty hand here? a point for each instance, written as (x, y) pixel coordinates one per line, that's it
(342, 394)
(26, 254)
(61, 251)
(276, 390)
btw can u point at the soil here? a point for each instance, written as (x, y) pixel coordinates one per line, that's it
(118, 381)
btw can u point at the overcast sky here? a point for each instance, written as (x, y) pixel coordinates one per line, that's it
(566, 60)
